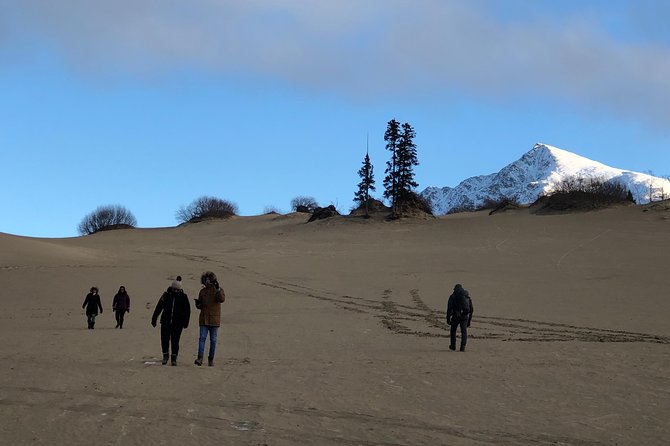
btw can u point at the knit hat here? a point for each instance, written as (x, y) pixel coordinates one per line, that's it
(176, 285)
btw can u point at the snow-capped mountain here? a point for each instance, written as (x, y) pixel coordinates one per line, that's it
(537, 173)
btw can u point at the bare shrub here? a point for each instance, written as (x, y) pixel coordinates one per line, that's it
(580, 194)
(206, 207)
(595, 190)
(304, 204)
(467, 207)
(105, 218)
(271, 210)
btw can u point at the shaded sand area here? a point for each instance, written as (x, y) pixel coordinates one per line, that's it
(333, 333)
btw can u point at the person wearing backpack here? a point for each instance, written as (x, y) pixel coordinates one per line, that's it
(459, 314)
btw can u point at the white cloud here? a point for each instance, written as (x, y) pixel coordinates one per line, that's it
(360, 48)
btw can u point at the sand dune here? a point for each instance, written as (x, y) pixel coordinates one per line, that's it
(333, 333)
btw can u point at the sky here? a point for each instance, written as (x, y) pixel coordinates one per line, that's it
(150, 104)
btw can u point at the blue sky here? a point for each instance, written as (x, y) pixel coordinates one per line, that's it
(152, 103)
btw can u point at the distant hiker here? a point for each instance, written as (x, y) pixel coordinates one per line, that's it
(459, 313)
(92, 304)
(209, 303)
(176, 312)
(120, 305)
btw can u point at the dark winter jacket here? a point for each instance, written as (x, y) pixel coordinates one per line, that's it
(175, 308)
(121, 302)
(459, 299)
(92, 304)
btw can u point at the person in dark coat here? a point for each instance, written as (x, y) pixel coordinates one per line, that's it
(175, 312)
(92, 304)
(209, 302)
(120, 305)
(459, 314)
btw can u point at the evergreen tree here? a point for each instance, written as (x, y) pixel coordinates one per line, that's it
(406, 159)
(392, 137)
(366, 185)
(399, 182)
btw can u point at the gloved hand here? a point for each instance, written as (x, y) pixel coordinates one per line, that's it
(448, 321)
(153, 322)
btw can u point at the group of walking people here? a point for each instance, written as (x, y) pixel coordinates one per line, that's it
(174, 310)
(93, 306)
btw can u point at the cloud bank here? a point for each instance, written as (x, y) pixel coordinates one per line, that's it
(361, 49)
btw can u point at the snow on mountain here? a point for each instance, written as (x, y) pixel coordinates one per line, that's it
(537, 173)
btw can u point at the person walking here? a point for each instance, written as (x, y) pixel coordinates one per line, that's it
(459, 314)
(175, 312)
(209, 302)
(120, 305)
(92, 304)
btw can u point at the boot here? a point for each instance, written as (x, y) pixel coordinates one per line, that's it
(462, 348)
(165, 358)
(452, 347)
(198, 361)
(173, 360)
(210, 361)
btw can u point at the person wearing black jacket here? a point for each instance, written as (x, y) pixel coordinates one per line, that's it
(459, 314)
(121, 305)
(175, 312)
(92, 304)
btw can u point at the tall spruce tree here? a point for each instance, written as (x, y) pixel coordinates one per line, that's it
(399, 182)
(406, 159)
(392, 138)
(362, 196)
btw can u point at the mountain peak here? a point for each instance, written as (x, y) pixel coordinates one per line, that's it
(537, 173)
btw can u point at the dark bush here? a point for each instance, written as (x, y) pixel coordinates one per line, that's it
(412, 205)
(304, 204)
(609, 191)
(467, 207)
(205, 208)
(597, 190)
(323, 213)
(106, 218)
(492, 203)
(577, 193)
(271, 210)
(374, 206)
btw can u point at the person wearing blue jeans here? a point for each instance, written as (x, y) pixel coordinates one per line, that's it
(209, 302)
(204, 331)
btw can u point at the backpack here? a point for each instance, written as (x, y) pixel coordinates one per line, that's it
(461, 306)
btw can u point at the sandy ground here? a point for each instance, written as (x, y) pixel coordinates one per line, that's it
(333, 333)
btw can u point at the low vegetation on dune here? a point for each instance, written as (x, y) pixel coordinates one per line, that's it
(399, 190)
(206, 208)
(106, 218)
(579, 194)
